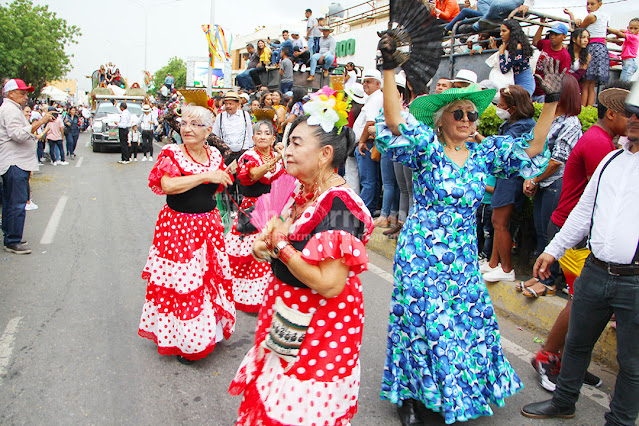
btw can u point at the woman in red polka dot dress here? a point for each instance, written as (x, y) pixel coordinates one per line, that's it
(257, 169)
(189, 303)
(304, 368)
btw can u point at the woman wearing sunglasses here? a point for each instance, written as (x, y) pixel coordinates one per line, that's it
(444, 351)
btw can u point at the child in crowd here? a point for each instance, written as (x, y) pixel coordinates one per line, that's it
(629, 41)
(550, 47)
(596, 22)
(286, 71)
(134, 141)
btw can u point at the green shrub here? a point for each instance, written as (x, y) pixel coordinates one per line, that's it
(489, 122)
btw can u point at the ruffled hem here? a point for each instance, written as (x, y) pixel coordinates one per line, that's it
(337, 245)
(177, 351)
(270, 392)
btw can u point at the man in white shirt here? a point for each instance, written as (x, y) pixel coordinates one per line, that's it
(124, 122)
(146, 124)
(17, 161)
(368, 168)
(301, 54)
(607, 212)
(234, 126)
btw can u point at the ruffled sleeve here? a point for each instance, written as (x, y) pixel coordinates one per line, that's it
(506, 157)
(337, 245)
(165, 164)
(410, 147)
(246, 163)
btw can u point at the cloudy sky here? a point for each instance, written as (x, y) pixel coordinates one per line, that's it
(113, 30)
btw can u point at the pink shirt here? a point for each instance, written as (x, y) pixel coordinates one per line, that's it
(630, 46)
(55, 129)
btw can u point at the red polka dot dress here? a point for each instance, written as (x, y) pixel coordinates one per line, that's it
(250, 277)
(320, 387)
(189, 303)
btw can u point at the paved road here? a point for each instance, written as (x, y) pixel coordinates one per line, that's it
(69, 350)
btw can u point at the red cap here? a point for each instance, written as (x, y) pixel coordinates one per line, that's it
(16, 84)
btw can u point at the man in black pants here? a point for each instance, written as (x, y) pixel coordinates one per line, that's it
(123, 126)
(147, 123)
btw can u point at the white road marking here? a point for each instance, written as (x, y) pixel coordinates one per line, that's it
(6, 344)
(79, 162)
(591, 392)
(52, 226)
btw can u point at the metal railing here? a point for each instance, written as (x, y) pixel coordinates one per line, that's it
(367, 12)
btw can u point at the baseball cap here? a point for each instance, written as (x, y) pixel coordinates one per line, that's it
(465, 76)
(559, 28)
(372, 73)
(16, 84)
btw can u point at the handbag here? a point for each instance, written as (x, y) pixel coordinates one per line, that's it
(244, 225)
(287, 332)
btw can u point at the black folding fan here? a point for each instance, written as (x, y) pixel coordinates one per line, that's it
(418, 35)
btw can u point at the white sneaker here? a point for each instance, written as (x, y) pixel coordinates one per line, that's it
(122, 161)
(150, 158)
(498, 274)
(143, 159)
(55, 163)
(303, 68)
(296, 67)
(135, 159)
(485, 267)
(63, 163)
(31, 206)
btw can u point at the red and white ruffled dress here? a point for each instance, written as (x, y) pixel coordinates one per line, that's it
(250, 277)
(321, 386)
(189, 303)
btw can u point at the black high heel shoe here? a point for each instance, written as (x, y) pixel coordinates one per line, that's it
(185, 361)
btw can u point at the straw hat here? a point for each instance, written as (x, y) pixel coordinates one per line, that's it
(423, 107)
(231, 96)
(197, 97)
(614, 99)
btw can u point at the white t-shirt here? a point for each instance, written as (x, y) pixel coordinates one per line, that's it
(352, 79)
(370, 111)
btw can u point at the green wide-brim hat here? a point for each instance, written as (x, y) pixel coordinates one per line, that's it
(423, 107)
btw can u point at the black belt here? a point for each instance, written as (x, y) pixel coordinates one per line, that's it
(616, 268)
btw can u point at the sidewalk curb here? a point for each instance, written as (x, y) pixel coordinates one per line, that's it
(535, 314)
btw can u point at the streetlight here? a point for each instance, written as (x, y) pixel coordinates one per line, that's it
(146, 22)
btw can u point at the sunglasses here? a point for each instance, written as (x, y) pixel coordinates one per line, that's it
(458, 115)
(629, 113)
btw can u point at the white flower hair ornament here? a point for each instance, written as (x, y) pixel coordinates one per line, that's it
(327, 109)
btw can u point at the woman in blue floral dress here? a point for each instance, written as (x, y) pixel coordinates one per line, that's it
(444, 349)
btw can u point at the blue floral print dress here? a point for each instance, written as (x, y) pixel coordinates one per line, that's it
(444, 347)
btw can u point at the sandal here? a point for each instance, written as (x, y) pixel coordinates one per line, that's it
(524, 284)
(530, 291)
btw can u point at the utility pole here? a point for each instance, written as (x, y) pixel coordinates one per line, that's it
(209, 84)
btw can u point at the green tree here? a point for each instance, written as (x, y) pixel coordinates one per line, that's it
(32, 43)
(177, 68)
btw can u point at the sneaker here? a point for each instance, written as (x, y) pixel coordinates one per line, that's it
(498, 274)
(592, 380)
(485, 267)
(63, 163)
(150, 158)
(17, 249)
(547, 366)
(143, 159)
(135, 159)
(303, 68)
(122, 161)
(296, 67)
(31, 206)
(55, 163)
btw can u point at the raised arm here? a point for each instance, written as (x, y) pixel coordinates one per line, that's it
(392, 105)
(551, 84)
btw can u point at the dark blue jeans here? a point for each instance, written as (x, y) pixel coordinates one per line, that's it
(597, 296)
(286, 87)
(244, 80)
(463, 14)
(15, 195)
(56, 150)
(369, 178)
(545, 202)
(72, 142)
(485, 230)
(390, 199)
